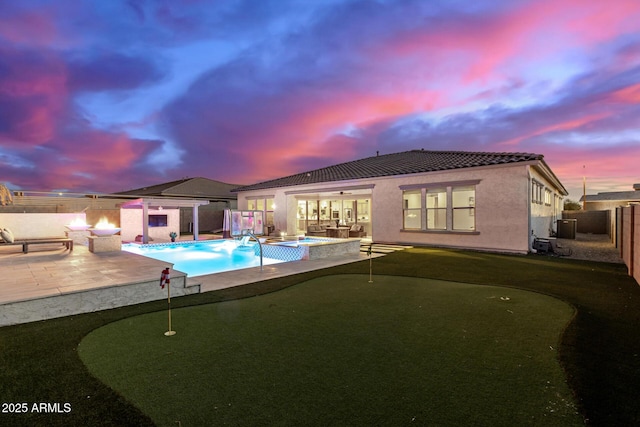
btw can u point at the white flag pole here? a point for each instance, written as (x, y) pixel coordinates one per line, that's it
(165, 279)
(170, 331)
(370, 265)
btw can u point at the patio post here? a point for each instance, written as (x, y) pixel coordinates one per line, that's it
(195, 222)
(145, 222)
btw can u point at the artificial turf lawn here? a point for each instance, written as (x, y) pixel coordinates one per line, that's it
(338, 350)
(600, 349)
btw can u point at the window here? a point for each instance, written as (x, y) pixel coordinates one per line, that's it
(157, 220)
(324, 210)
(335, 209)
(312, 210)
(265, 204)
(412, 203)
(444, 207)
(270, 206)
(536, 192)
(302, 209)
(348, 214)
(437, 209)
(362, 206)
(464, 202)
(547, 197)
(241, 221)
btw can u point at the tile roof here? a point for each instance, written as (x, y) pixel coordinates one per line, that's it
(614, 196)
(407, 162)
(188, 187)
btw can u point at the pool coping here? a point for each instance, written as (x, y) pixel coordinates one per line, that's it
(42, 285)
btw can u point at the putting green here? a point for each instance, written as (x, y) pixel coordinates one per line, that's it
(338, 350)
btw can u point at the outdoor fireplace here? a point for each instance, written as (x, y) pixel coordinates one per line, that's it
(103, 228)
(104, 238)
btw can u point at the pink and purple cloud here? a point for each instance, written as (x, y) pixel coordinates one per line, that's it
(109, 96)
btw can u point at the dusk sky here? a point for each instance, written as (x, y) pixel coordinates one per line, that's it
(105, 96)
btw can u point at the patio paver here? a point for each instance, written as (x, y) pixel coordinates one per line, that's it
(40, 275)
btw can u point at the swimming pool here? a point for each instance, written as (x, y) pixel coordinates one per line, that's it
(202, 257)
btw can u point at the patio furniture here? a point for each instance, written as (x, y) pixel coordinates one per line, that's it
(316, 230)
(338, 232)
(67, 242)
(276, 232)
(357, 230)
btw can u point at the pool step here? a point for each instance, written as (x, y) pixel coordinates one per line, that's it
(379, 248)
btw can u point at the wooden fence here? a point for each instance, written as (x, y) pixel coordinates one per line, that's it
(628, 219)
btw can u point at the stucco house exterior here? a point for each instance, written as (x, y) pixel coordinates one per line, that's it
(476, 200)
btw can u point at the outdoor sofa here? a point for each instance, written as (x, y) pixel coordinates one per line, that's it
(317, 230)
(68, 243)
(357, 230)
(7, 239)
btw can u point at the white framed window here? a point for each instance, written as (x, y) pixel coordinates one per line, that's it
(437, 209)
(265, 204)
(464, 207)
(440, 207)
(412, 209)
(536, 192)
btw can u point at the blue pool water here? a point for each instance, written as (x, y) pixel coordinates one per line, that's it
(200, 258)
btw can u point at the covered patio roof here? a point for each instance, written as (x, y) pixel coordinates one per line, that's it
(145, 203)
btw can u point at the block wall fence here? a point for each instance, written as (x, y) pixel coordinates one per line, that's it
(628, 219)
(593, 222)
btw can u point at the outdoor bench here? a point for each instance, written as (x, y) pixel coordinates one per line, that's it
(25, 243)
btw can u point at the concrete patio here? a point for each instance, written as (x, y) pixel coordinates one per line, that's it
(52, 281)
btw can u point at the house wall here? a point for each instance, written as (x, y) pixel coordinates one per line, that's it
(502, 207)
(544, 216)
(291, 212)
(131, 222)
(38, 225)
(500, 202)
